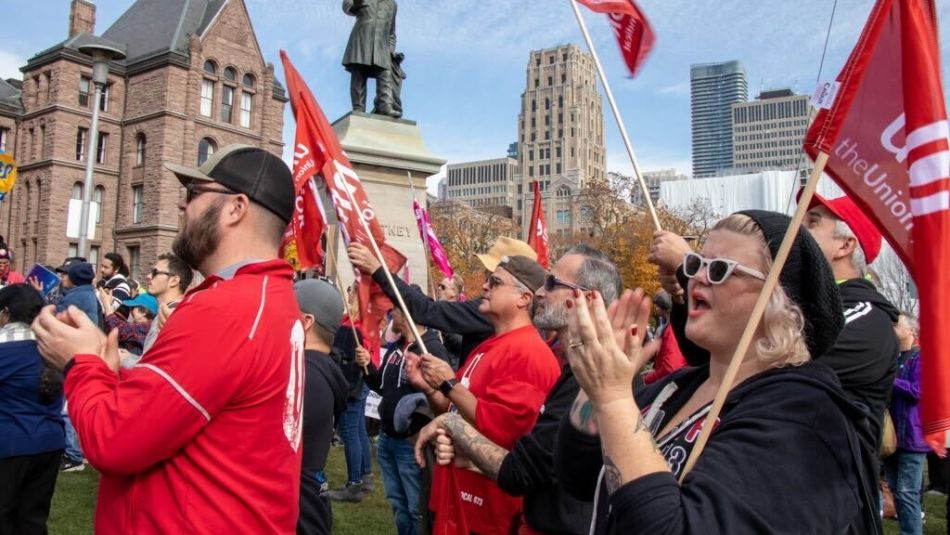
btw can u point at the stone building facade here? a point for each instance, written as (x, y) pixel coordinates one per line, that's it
(560, 135)
(194, 80)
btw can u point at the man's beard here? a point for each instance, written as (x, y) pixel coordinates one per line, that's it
(550, 317)
(199, 238)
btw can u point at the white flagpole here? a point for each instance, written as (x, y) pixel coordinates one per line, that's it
(616, 112)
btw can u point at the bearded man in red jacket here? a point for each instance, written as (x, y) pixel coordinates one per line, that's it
(203, 434)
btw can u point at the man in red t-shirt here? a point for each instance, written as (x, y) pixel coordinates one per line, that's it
(203, 435)
(499, 390)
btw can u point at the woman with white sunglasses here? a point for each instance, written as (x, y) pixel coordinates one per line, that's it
(784, 455)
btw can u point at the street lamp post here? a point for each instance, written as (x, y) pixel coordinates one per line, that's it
(101, 56)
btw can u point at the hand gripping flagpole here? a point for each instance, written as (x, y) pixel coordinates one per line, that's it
(616, 112)
(770, 281)
(389, 276)
(331, 252)
(425, 240)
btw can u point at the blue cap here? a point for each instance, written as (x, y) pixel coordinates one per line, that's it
(81, 273)
(144, 300)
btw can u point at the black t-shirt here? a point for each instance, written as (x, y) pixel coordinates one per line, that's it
(324, 399)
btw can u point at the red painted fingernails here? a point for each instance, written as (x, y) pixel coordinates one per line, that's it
(569, 303)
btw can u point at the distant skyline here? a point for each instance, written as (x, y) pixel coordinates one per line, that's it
(466, 60)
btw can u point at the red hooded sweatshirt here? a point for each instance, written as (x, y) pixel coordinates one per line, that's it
(203, 434)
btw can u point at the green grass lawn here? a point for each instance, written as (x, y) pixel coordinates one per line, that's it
(75, 500)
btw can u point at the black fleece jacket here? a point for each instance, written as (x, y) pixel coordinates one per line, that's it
(391, 382)
(528, 470)
(785, 458)
(449, 317)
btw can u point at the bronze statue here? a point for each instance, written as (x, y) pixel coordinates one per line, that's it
(371, 53)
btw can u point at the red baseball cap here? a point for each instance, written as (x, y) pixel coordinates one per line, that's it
(864, 230)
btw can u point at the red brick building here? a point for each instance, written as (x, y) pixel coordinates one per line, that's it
(193, 80)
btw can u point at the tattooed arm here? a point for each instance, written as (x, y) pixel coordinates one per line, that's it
(484, 454)
(582, 415)
(628, 446)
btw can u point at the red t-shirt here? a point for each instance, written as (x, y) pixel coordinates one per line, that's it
(203, 434)
(510, 375)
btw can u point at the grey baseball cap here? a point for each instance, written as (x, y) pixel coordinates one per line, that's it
(321, 300)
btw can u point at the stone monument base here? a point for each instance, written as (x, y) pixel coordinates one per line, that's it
(385, 152)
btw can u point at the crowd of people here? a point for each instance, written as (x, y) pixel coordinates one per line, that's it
(554, 402)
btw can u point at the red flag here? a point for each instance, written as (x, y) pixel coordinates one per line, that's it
(538, 230)
(318, 150)
(308, 223)
(634, 33)
(886, 135)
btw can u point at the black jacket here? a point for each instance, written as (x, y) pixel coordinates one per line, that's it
(785, 458)
(449, 317)
(528, 470)
(391, 383)
(325, 394)
(344, 352)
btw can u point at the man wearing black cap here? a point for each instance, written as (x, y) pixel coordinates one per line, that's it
(499, 390)
(321, 311)
(224, 453)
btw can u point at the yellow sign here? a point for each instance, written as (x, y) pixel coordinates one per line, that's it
(7, 173)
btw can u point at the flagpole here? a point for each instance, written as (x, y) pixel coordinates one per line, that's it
(389, 276)
(425, 241)
(770, 281)
(616, 112)
(346, 306)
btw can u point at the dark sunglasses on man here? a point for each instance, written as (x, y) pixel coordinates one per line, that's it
(192, 191)
(551, 282)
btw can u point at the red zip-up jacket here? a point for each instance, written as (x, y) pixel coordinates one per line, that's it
(203, 434)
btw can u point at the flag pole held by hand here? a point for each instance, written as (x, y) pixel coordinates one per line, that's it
(331, 251)
(770, 281)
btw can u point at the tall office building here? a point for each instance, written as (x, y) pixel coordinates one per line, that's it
(767, 133)
(483, 184)
(560, 134)
(714, 88)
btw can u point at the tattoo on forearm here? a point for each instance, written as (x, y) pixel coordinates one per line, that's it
(484, 453)
(612, 477)
(583, 417)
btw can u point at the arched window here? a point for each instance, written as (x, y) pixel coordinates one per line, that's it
(564, 191)
(211, 68)
(206, 148)
(230, 74)
(140, 149)
(248, 81)
(77, 191)
(97, 195)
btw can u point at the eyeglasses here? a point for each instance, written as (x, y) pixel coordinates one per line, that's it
(717, 269)
(192, 191)
(494, 282)
(154, 273)
(551, 282)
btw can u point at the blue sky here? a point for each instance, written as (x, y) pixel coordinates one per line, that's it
(466, 59)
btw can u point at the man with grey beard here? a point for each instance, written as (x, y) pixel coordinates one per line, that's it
(528, 469)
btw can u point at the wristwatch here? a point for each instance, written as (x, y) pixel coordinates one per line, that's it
(447, 386)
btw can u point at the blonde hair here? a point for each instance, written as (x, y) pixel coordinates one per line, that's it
(783, 325)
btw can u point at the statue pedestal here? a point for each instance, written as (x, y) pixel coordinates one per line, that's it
(384, 151)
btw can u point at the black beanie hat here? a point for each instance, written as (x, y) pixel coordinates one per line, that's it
(807, 279)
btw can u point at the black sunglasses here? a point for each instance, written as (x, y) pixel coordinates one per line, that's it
(154, 273)
(551, 282)
(192, 191)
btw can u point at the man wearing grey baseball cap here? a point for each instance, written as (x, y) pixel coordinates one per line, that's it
(227, 371)
(325, 393)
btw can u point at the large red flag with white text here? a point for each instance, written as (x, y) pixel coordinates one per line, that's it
(318, 150)
(538, 229)
(632, 29)
(886, 135)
